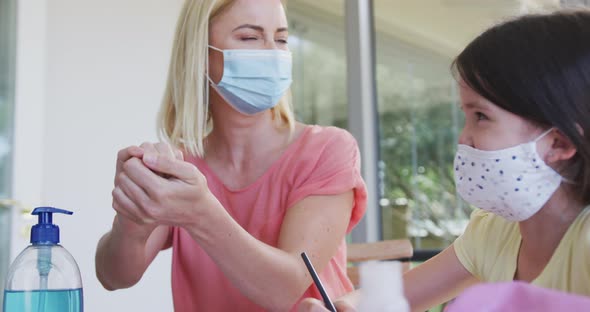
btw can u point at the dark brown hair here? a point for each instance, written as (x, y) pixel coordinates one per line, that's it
(538, 67)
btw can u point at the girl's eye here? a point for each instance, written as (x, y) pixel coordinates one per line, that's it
(282, 41)
(480, 116)
(249, 38)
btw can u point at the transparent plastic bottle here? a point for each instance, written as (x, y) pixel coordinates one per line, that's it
(382, 287)
(45, 276)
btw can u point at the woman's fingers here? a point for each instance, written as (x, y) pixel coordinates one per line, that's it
(162, 151)
(165, 150)
(126, 207)
(143, 177)
(343, 306)
(315, 305)
(148, 147)
(126, 154)
(182, 170)
(133, 191)
(312, 305)
(178, 154)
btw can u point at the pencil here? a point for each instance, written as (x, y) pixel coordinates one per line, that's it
(327, 302)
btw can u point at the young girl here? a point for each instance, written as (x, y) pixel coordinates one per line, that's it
(523, 159)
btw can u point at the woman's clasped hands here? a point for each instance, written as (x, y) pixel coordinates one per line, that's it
(155, 186)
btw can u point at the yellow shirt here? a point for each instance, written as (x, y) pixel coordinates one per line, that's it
(489, 250)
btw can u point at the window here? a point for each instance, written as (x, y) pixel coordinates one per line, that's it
(317, 41)
(575, 3)
(7, 62)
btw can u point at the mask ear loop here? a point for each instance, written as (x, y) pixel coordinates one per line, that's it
(216, 49)
(543, 135)
(207, 63)
(565, 180)
(210, 80)
(213, 84)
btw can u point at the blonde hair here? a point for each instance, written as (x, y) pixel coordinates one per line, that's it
(184, 119)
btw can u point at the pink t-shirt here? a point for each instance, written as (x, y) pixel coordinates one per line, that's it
(321, 161)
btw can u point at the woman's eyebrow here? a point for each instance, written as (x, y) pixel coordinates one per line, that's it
(250, 26)
(259, 28)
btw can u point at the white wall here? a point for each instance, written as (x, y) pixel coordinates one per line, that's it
(90, 77)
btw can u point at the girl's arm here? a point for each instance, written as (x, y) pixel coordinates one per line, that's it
(434, 282)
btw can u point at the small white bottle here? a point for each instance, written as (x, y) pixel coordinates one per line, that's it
(382, 287)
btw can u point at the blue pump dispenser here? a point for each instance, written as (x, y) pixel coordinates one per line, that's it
(45, 232)
(45, 276)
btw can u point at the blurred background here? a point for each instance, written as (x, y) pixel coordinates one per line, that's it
(81, 79)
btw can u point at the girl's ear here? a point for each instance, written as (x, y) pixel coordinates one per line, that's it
(561, 148)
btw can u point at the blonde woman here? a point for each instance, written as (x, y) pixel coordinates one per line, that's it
(240, 189)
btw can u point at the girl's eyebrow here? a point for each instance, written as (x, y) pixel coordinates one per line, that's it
(477, 106)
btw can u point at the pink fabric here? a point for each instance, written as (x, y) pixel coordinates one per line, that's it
(321, 161)
(517, 297)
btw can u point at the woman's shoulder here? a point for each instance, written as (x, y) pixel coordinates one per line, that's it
(327, 136)
(323, 149)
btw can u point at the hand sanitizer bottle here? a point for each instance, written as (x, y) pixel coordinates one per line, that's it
(44, 277)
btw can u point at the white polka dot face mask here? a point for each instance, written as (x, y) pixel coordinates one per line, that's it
(513, 183)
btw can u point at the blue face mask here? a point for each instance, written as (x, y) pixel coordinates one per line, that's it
(254, 80)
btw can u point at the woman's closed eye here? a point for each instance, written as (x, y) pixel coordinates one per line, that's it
(250, 38)
(280, 41)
